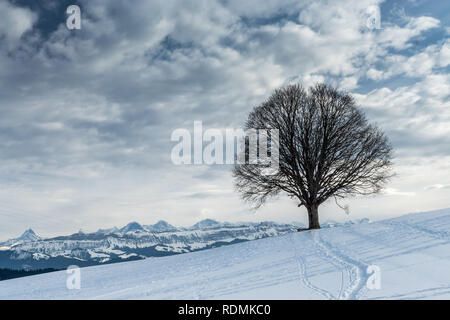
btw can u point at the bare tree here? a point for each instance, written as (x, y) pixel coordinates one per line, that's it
(327, 149)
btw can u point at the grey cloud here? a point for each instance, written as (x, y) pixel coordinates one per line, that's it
(97, 106)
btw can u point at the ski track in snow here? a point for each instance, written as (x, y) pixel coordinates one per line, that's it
(413, 253)
(304, 278)
(417, 294)
(440, 235)
(353, 271)
(353, 284)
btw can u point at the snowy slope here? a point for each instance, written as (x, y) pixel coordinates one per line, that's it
(412, 253)
(131, 242)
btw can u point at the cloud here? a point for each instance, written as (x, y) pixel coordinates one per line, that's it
(424, 63)
(416, 117)
(87, 114)
(437, 186)
(399, 37)
(395, 192)
(14, 23)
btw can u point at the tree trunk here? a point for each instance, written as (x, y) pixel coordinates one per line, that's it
(313, 216)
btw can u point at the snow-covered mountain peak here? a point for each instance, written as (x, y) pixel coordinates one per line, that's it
(107, 231)
(132, 226)
(28, 235)
(161, 226)
(205, 224)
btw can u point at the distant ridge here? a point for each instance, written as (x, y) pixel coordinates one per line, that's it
(205, 224)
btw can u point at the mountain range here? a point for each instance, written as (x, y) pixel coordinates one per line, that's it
(402, 258)
(131, 242)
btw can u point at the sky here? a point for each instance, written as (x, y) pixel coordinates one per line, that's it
(87, 115)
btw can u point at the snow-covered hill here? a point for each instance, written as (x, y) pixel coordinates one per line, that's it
(130, 242)
(27, 236)
(410, 254)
